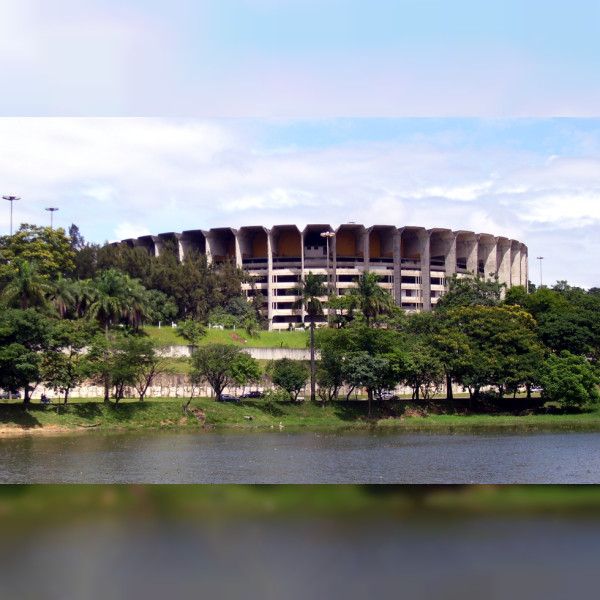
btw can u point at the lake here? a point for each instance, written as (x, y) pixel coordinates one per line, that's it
(300, 456)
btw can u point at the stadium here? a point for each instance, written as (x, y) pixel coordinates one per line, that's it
(413, 262)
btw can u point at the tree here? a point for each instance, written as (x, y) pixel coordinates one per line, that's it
(290, 375)
(334, 346)
(329, 376)
(63, 295)
(503, 347)
(471, 291)
(420, 367)
(109, 302)
(65, 365)
(49, 248)
(160, 308)
(245, 369)
(191, 331)
(146, 360)
(116, 297)
(370, 298)
(24, 336)
(569, 380)
(343, 309)
(27, 286)
(310, 290)
(375, 373)
(219, 364)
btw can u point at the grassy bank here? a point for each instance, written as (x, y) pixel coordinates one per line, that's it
(162, 413)
(239, 337)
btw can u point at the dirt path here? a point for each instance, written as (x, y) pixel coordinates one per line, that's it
(17, 430)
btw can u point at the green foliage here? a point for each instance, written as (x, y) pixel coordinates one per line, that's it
(373, 372)
(420, 367)
(245, 369)
(569, 380)
(271, 395)
(503, 346)
(115, 297)
(516, 296)
(370, 298)
(290, 375)
(471, 291)
(49, 248)
(26, 286)
(160, 308)
(310, 291)
(24, 336)
(222, 365)
(191, 331)
(341, 309)
(65, 365)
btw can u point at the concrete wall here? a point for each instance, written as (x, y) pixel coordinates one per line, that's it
(258, 353)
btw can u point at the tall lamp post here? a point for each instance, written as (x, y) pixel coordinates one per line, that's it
(540, 258)
(52, 210)
(11, 199)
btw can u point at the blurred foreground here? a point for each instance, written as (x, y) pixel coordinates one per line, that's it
(89, 542)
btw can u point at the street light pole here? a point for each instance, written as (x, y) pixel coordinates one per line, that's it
(540, 258)
(11, 199)
(52, 210)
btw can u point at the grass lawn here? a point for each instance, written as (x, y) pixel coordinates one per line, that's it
(264, 339)
(156, 413)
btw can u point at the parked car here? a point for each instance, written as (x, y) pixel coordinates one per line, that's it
(537, 390)
(229, 398)
(5, 395)
(254, 394)
(386, 396)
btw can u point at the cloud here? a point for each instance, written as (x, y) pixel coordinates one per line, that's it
(121, 178)
(125, 231)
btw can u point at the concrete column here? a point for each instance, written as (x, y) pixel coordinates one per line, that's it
(503, 260)
(472, 257)
(333, 263)
(366, 249)
(209, 251)
(486, 252)
(524, 267)
(397, 269)
(451, 255)
(158, 245)
(180, 247)
(425, 269)
(238, 249)
(270, 278)
(515, 263)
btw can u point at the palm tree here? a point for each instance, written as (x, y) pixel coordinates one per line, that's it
(27, 286)
(310, 290)
(111, 300)
(370, 297)
(115, 296)
(137, 308)
(63, 295)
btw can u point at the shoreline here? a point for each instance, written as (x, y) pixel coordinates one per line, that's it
(205, 414)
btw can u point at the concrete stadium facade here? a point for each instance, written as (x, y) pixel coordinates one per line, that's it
(412, 262)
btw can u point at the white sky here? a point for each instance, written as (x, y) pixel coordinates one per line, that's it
(146, 117)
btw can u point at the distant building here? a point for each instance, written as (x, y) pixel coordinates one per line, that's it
(413, 262)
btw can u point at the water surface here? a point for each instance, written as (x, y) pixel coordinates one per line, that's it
(298, 456)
